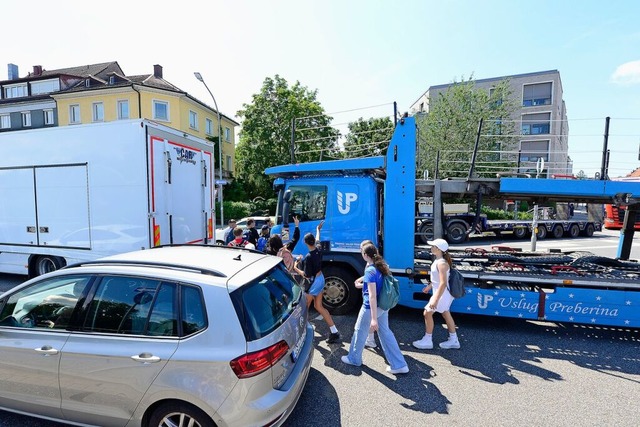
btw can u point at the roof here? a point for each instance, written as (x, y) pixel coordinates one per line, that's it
(101, 70)
(328, 167)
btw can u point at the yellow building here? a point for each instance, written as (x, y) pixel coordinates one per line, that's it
(115, 96)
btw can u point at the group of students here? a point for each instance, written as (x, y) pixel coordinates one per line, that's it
(249, 237)
(371, 318)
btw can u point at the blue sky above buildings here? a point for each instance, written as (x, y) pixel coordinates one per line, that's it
(357, 53)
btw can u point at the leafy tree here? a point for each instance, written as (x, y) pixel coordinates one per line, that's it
(265, 138)
(451, 126)
(368, 137)
(581, 175)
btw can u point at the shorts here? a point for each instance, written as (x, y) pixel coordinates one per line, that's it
(317, 286)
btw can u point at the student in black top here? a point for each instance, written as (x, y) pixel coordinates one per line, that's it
(313, 272)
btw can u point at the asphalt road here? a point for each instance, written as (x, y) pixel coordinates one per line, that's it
(508, 371)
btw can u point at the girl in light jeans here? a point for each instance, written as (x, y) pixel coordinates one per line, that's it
(372, 318)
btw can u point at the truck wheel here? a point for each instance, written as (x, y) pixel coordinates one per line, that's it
(520, 232)
(574, 230)
(557, 231)
(457, 232)
(542, 232)
(46, 263)
(426, 232)
(588, 230)
(340, 294)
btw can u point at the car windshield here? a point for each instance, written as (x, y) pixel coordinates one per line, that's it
(265, 303)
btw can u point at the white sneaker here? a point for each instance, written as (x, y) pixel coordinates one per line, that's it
(450, 343)
(345, 359)
(403, 370)
(423, 344)
(370, 343)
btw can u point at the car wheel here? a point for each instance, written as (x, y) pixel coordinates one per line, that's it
(557, 231)
(426, 232)
(456, 232)
(46, 264)
(520, 232)
(340, 294)
(542, 232)
(588, 230)
(574, 230)
(179, 414)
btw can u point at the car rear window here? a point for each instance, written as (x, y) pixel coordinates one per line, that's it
(265, 303)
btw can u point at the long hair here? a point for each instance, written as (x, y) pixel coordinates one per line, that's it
(372, 252)
(447, 257)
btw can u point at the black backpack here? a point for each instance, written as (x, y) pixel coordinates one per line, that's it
(456, 283)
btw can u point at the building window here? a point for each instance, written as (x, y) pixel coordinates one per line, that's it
(208, 126)
(536, 124)
(5, 121)
(45, 86)
(123, 110)
(74, 114)
(112, 80)
(536, 94)
(161, 110)
(26, 119)
(531, 151)
(193, 120)
(16, 91)
(229, 164)
(98, 112)
(227, 134)
(48, 117)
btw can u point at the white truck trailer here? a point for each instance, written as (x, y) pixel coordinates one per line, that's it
(77, 193)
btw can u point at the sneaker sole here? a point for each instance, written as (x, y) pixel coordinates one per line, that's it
(423, 347)
(450, 347)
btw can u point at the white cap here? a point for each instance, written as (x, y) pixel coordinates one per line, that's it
(439, 243)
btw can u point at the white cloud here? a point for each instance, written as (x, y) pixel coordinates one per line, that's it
(627, 73)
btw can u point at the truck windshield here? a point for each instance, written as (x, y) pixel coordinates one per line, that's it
(308, 202)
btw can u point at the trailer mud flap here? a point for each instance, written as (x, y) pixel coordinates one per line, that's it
(542, 299)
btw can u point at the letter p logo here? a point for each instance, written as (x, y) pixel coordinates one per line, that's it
(344, 201)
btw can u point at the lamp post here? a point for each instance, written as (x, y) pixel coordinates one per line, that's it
(220, 197)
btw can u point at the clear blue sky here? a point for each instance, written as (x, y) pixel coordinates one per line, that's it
(357, 53)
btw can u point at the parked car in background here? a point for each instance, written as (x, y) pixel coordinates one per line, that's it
(177, 335)
(260, 221)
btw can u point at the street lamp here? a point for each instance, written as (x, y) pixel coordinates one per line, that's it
(199, 77)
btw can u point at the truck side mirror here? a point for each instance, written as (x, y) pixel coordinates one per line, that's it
(286, 208)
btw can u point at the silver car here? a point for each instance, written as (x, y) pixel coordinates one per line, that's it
(171, 336)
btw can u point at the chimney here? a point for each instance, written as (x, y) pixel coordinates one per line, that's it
(157, 71)
(12, 71)
(37, 70)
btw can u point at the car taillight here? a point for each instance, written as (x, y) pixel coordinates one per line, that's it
(251, 364)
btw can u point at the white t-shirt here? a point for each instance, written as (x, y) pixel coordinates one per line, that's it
(446, 299)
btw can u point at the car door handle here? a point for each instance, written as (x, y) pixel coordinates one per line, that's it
(47, 350)
(146, 358)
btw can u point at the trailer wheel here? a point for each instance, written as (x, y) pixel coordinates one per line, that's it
(542, 232)
(340, 294)
(46, 263)
(520, 232)
(557, 231)
(426, 232)
(574, 230)
(457, 232)
(588, 230)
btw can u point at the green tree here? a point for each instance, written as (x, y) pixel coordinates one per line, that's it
(368, 137)
(581, 175)
(265, 138)
(451, 126)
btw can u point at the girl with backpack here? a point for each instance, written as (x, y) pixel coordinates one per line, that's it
(441, 298)
(373, 318)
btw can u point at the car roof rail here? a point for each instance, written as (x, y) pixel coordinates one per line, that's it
(202, 245)
(206, 271)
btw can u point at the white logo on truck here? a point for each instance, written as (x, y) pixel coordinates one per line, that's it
(344, 201)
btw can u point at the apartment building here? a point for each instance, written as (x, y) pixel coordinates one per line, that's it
(103, 92)
(541, 118)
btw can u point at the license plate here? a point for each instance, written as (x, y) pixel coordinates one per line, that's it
(296, 348)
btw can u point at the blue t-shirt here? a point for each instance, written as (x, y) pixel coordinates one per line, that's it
(371, 274)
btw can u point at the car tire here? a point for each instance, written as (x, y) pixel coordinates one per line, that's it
(542, 232)
(340, 295)
(588, 230)
(179, 413)
(557, 231)
(574, 230)
(457, 232)
(520, 232)
(44, 264)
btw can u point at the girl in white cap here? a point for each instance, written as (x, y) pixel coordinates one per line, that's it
(441, 299)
